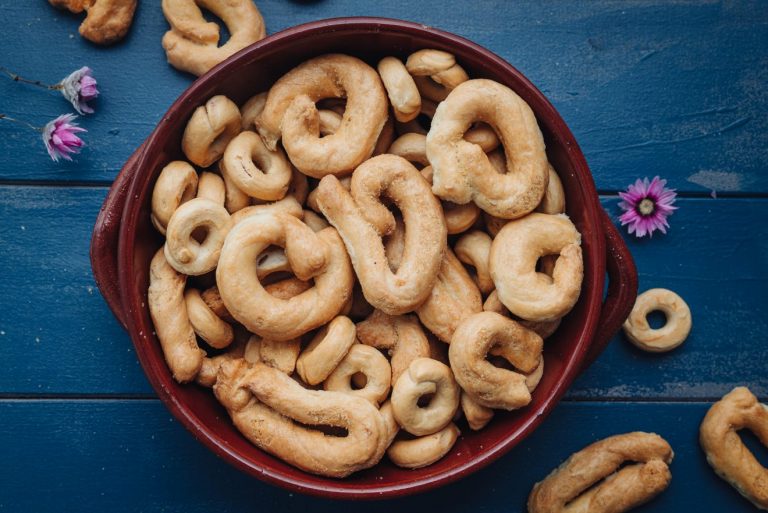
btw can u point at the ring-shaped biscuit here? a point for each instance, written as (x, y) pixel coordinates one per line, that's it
(672, 334)
(328, 347)
(311, 255)
(362, 219)
(165, 298)
(474, 249)
(593, 479)
(458, 218)
(515, 250)
(209, 130)
(423, 451)
(462, 171)
(425, 376)
(492, 386)
(544, 329)
(401, 89)
(259, 172)
(192, 43)
(182, 250)
(176, 184)
(367, 361)
(210, 327)
(290, 113)
(727, 454)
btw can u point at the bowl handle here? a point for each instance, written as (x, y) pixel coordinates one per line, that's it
(622, 290)
(105, 237)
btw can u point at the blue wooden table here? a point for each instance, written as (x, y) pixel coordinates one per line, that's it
(678, 89)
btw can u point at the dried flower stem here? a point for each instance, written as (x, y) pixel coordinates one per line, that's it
(33, 127)
(18, 78)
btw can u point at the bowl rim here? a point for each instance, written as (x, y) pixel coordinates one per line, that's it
(338, 489)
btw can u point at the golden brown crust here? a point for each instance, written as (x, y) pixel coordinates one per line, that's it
(401, 89)
(425, 376)
(423, 451)
(400, 335)
(106, 22)
(328, 347)
(672, 334)
(209, 130)
(259, 172)
(621, 489)
(367, 361)
(474, 249)
(727, 454)
(207, 325)
(176, 184)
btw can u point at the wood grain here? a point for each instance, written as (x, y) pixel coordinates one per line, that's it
(669, 88)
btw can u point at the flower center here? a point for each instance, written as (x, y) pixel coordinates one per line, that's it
(646, 207)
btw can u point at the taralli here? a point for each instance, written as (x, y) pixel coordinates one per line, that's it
(320, 256)
(314, 221)
(400, 335)
(368, 362)
(544, 329)
(192, 43)
(424, 377)
(362, 219)
(462, 172)
(492, 386)
(576, 485)
(209, 371)
(211, 186)
(412, 147)
(251, 110)
(176, 184)
(401, 89)
(182, 250)
(454, 298)
(212, 300)
(326, 350)
(210, 327)
(553, 201)
(169, 315)
(106, 21)
(209, 130)
(477, 415)
(672, 334)
(280, 355)
(275, 420)
(484, 136)
(290, 113)
(727, 454)
(458, 218)
(474, 249)
(234, 199)
(254, 169)
(423, 451)
(428, 62)
(288, 206)
(516, 249)
(431, 90)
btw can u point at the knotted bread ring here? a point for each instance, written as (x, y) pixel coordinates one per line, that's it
(362, 219)
(368, 362)
(425, 450)
(176, 184)
(425, 376)
(192, 43)
(462, 172)
(273, 415)
(182, 250)
(290, 113)
(209, 130)
(169, 316)
(518, 246)
(492, 386)
(672, 334)
(311, 255)
(254, 169)
(726, 452)
(572, 486)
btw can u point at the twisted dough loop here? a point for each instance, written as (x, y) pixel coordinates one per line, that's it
(462, 172)
(544, 329)
(672, 334)
(290, 113)
(491, 386)
(176, 184)
(423, 451)
(423, 377)
(474, 248)
(401, 89)
(169, 316)
(362, 219)
(182, 250)
(367, 361)
(514, 253)
(320, 256)
(273, 421)
(192, 43)
(209, 130)
(207, 325)
(254, 169)
(622, 489)
(328, 347)
(726, 453)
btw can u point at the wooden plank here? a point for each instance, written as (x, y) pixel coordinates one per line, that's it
(669, 88)
(131, 456)
(58, 337)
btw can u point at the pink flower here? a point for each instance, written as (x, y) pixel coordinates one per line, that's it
(79, 88)
(646, 206)
(60, 139)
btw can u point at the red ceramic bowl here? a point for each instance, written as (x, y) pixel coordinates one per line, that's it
(124, 241)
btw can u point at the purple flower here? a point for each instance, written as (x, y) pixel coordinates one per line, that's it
(60, 139)
(646, 206)
(79, 88)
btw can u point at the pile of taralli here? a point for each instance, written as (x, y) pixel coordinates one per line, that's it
(337, 284)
